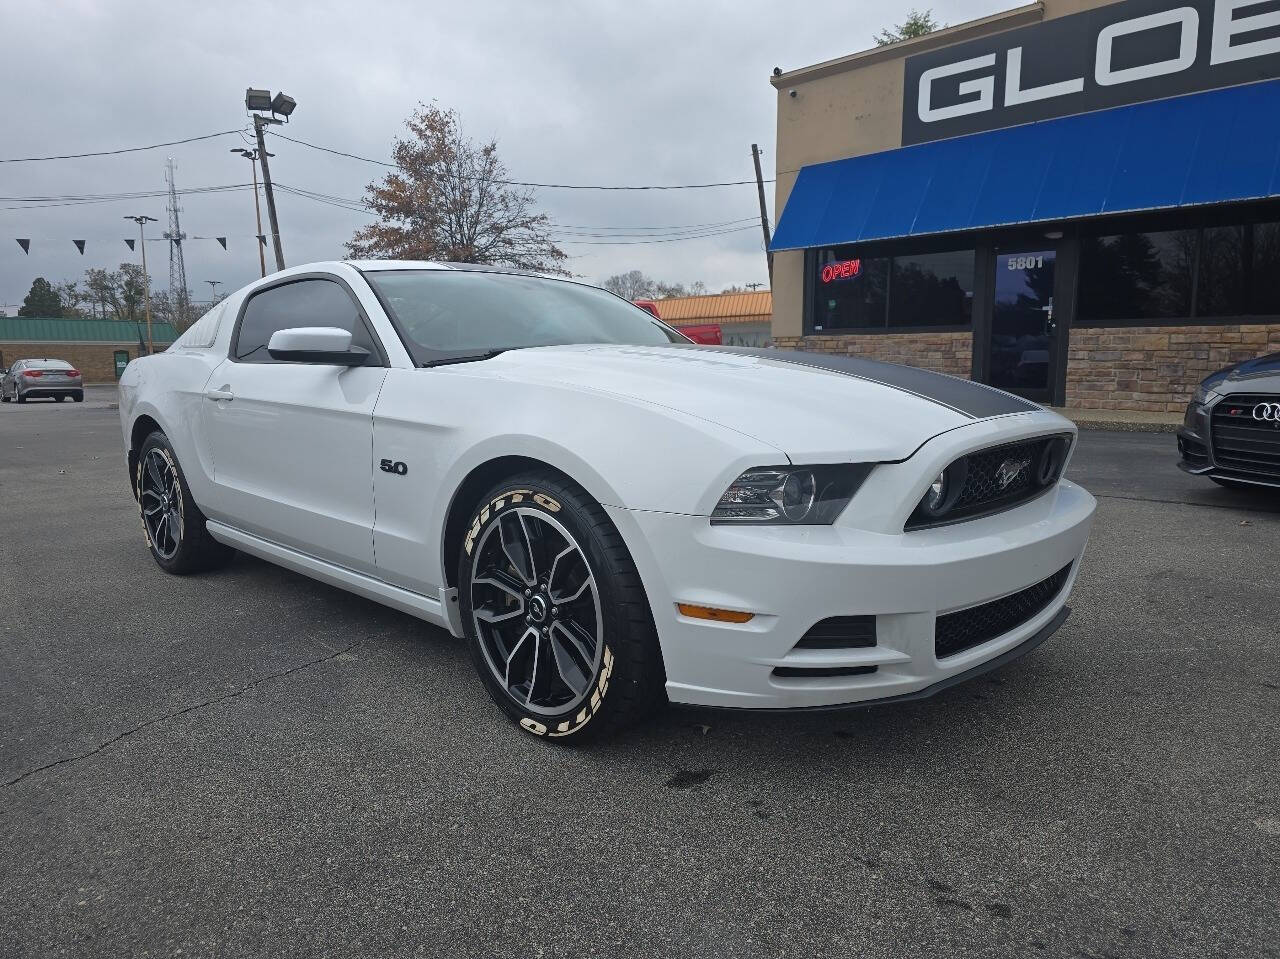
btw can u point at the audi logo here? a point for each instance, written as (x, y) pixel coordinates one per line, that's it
(1268, 412)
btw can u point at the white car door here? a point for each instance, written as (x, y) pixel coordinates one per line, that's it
(292, 442)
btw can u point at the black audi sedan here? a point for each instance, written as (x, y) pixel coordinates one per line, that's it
(1231, 432)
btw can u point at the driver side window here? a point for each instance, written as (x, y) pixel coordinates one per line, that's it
(302, 303)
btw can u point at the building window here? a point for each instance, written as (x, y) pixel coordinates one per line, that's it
(1239, 271)
(932, 289)
(1137, 276)
(855, 292)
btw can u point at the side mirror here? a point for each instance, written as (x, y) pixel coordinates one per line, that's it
(316, 344)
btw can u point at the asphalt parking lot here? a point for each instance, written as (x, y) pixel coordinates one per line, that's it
(250, 763)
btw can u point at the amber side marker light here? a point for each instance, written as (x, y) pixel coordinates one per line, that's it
(716, 615)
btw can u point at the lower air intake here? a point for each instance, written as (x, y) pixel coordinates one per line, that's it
(956, 632)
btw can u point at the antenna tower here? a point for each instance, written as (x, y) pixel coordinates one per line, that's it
(179, 295)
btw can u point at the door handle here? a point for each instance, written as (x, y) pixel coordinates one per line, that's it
(220, 396)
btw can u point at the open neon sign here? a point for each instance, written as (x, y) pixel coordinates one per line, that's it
(842, 270)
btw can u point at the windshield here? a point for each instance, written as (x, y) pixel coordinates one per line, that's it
(447, 315)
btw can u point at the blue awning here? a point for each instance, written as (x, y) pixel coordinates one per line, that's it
(1212, 147)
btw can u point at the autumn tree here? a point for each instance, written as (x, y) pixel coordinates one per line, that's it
(450, 199)
(72, 295)
(917, 24)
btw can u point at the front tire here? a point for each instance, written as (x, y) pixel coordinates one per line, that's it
(171, 521)
(554, 611)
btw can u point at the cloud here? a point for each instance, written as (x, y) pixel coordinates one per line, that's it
(584, 92)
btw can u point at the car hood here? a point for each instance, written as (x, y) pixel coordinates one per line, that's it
(813, 407)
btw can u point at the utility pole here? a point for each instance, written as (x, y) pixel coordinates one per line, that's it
(252, 156)
(259, 124)
(146, 277)
(764, 210)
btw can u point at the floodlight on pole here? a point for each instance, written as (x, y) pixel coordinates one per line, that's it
(259, 102)
(146, 279)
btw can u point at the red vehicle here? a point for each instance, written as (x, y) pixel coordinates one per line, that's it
(707, 334)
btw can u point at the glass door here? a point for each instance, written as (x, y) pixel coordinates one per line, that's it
(1022, 323)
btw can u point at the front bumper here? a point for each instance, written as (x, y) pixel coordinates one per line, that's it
(791, 578)
(1196, 453)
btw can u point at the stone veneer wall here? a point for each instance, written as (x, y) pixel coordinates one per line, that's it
(1156, 368)
(944, 352)
(95, 361)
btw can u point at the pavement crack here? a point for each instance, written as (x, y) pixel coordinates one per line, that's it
(234, 694)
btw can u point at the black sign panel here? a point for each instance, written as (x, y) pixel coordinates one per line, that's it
(1116, 54)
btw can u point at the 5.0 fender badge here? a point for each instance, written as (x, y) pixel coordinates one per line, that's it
(394, 466)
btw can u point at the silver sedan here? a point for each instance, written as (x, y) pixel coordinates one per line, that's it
(31, 379)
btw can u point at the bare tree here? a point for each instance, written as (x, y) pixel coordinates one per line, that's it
(634, 285)
(450, 199)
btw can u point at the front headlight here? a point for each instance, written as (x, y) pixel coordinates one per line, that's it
(790, 495)
(1201, 396)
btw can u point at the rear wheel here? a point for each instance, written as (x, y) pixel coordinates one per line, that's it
(59, 398)
(19, 397)
(171, 520)
(555, 613)
(78, 397)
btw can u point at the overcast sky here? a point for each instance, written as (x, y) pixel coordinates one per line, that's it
(581, 92)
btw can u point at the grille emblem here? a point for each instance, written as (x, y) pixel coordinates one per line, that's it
(1269, 412)
(1010, 470)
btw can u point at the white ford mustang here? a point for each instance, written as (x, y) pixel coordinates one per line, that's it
(609, 515)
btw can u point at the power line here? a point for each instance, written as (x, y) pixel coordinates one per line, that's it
(529, 183)
(672, 239)
(107, 153)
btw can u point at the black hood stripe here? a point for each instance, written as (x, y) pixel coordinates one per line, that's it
(974, 400)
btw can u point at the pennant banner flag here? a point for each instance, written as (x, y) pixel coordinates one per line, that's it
(222, 240)
(262, 238)
(131, 243)
(79, 246)
(26, 246)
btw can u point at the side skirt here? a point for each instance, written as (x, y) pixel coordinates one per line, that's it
(415, 604)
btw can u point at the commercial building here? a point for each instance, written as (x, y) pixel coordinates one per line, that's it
(1071, 200)
(99, 349)
(743, 318)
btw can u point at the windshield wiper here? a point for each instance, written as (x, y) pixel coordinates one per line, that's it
(464, 358)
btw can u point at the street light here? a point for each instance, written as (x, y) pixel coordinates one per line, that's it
(146, 279)
(252, 157)
(213, 287)
(259, 102)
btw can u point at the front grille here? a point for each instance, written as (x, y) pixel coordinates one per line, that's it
(840, 632)
(1242, 444)
(997, 479)
(956, 632)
